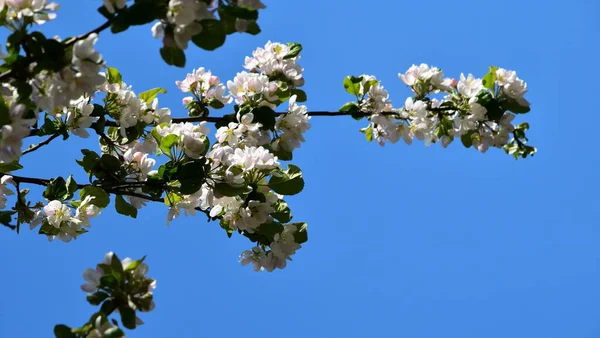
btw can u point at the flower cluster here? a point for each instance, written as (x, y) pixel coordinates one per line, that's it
(36, 11)
(478, 111)
(80, 78)
(12, 133)
(122, 287)
(183, 20)
(290, 127)
(206, 89)
(129, 110)
(59, 221)
(278, 62)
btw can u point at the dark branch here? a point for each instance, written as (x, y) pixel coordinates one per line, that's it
(41, 144)
(84, 36)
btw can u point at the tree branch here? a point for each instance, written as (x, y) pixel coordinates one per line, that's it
(41, 144)
(28, 60)
(84, 36)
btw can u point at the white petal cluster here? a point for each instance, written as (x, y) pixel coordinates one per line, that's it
(512, 86)
(81, 78)
(274, 62)
(192, 137)
(12, 134)
(184, 17)
(291, 127)
(253, 89)
(4, 190)
(460, 114)
(38, 11)
(60, 216)
(133, 110)
(282, 248)
(204, 86)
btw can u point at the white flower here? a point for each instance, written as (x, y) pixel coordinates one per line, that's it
(291, 127)
(85, 211)
(56, 212)
(255, 157)
(469, 86)
(4, 190)
(251, 88)
(256, 256)
(92, 278)
(512, 86)
(284, 244)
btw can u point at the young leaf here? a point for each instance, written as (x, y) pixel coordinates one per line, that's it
(173, 56)
(295, 49)
(127, 317)
(124, 208)
(289, 183)
(113, 75)
(12, 166)
(63, 331)
(490, 78)
(212, 35)
(149, 95)
(101, 198)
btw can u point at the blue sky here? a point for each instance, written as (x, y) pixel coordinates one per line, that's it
(404, 241)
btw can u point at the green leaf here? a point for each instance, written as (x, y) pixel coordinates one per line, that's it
(135, 264)
(49, 127)
(116, 267)
(490, 78)
(290, 182)
(301, 234)
(282, 154)
(109, 281)
(6, 217)
(149, 95)
(90, 158)
(369, 134)
(191, 176)
(467, 139)
(71, 187)
(6, 167)
(173, 56)
(514, 107)
(113, 75)
(101, 198)
(110, 163)
(127, 317)
(269, 230)
(300, 95)
(352, 85)
(282, 212)
(240, 12)
(214, 103)
(96, 298)
(253, 28)
(265, 116)
(212, 35)
(56, 189)
(225, 189)
(353, 109)
(167, 142)
(124, 208)
(107, 307)
(63, 331)
(295, 49)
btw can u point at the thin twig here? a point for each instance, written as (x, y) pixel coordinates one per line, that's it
(84, 36)
(41, 144)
